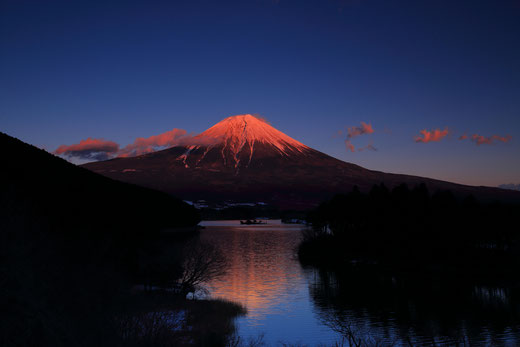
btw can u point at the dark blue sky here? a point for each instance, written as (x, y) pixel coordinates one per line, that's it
(123, 69)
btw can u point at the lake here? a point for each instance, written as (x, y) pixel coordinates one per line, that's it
(289, 303)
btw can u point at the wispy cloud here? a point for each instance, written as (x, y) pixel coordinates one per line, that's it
(350, 146)
(363, 129)
(99, 149)
(150, 144)
(434, 135)
(89, 149)
(352, 132)
(483, 140)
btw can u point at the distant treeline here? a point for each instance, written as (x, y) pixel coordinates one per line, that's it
(239, 212)
(249, 212)
(412, 227)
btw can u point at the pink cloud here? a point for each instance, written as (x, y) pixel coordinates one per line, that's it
(363, 129)
(150, 144)
(97, 149)
(463, 137)
(483, 140)
(357, 131)
(350, 146)
(431, 136)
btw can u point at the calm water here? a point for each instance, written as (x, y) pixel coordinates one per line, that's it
(291, 304)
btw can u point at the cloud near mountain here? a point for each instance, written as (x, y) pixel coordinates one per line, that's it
(150, 144)
(90, 149)
(99, 149)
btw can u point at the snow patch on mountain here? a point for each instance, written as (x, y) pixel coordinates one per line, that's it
(237, 131)
(235, 138)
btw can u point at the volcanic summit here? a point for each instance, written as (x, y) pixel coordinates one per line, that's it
(238, 142)
(244, 158)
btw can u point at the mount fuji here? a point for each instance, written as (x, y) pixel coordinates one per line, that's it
(243, 158)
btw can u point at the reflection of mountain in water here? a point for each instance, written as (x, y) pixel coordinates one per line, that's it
(263, 274)
(418, 310)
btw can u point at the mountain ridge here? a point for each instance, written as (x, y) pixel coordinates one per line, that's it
(243, 158)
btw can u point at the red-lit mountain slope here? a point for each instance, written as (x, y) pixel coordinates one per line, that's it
(243, 158)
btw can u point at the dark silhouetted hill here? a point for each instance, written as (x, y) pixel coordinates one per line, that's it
(65, 193)
(71, 247)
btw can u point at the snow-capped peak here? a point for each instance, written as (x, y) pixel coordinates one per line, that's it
(238, 131)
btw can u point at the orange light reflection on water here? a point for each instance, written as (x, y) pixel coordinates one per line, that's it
(263, 271)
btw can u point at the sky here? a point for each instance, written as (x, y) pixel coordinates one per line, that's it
(388, 85)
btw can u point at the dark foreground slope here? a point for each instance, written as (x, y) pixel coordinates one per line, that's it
(72, 245)
(64, 193)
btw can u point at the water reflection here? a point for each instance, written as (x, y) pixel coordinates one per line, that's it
(403, 309)
(266, 277)
(263, 273)
(311, 306)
